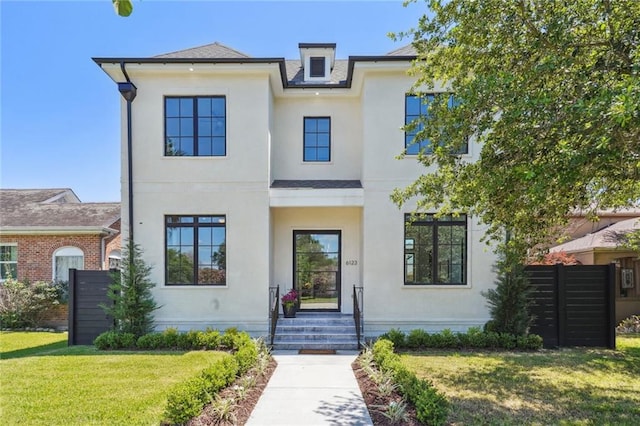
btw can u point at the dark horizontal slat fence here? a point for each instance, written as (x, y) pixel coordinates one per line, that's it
(87, 289)
(573, 305)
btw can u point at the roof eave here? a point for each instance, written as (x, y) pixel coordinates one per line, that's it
(57, 230)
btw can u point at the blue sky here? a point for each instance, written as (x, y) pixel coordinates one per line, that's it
(59, 122)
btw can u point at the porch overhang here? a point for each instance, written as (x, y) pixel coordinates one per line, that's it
(316, 193)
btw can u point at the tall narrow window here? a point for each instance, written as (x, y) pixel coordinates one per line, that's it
(8, 261)
(435, 250)
(195, 250)
(66, 258)
(195, 126)
(417, 109)
(317, 139)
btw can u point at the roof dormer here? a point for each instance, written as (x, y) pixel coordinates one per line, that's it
(317, 60)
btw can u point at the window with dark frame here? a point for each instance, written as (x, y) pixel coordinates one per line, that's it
(317, 139)
(435, 250)
(195, 126)
(195, 250)
(316, 66)
(417, 108)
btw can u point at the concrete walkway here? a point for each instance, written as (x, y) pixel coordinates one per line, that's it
(311, 390)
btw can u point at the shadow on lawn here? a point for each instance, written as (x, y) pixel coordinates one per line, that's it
(61, 349)
(34, 350)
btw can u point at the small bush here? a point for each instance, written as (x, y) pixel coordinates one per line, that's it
(115, 340)
(185, 400)
(396, 336)
(417, 338)
(432, 407)
(247, 355)
(209, 339)
(170, 338)
(228, 339)
(151, 341)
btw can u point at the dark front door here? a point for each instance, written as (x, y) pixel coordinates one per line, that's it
(316, 269)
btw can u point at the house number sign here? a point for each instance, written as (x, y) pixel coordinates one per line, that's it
(351, 262)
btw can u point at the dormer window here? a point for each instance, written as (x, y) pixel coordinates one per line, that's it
(316, 66)
(317, 61)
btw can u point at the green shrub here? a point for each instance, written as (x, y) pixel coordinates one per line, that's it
(247, 355)
(114, 340)
(220, 374)
(417, 339)
(507, 341)
(431, 406)
(396, 336)
(151, 341)
(185, 400)
(449, 340)
(228, 339)
(190, 340)
(170, 338)
(25, 304)
(209, 339)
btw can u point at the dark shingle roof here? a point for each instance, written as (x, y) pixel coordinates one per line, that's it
(213, 50)
(316, 184)
(295, 73)
(407, 50)
(53, 208)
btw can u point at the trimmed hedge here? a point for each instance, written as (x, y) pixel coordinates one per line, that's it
(172, 339)
(432, 407)
(474, 338)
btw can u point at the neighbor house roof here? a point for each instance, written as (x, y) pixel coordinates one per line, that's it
(604, 238)
(53, 211)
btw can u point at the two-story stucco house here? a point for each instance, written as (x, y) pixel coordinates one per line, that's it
(244, 173)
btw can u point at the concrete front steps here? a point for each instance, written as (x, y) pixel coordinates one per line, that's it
(316, 330)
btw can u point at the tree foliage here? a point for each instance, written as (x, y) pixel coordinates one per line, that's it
(549, 90)
(123, 7)
(130, 291)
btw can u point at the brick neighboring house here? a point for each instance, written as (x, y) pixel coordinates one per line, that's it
(44, 232)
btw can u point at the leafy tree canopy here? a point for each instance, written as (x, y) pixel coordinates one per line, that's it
(550, 90)
(123, 7)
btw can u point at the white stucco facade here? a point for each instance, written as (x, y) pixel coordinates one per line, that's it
(264, 143)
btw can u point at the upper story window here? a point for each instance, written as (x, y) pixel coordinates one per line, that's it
(195, 126)
(417, 107)
(317, 139)
(8, 261)
(435, 250)
(316, 64)
(195, 250)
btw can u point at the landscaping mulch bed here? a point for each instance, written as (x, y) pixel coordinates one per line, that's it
(376, 403)
(243, 408)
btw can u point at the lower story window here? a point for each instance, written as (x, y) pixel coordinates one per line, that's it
(8, 261)
(195, 250)
(66, 258)
(435, 250)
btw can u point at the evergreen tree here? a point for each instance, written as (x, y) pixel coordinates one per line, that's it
(130, 291)
(509, 301)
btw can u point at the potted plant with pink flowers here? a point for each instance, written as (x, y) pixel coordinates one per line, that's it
(290, 303)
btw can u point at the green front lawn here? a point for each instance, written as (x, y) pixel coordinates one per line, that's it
(568, 386)
(42, 381)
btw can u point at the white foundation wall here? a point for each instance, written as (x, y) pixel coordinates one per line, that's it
(344, 219)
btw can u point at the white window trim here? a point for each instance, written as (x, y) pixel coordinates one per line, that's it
(64, 251)
(3, 279)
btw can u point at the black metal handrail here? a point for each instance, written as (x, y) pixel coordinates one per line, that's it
(274, 296)
(358, 317)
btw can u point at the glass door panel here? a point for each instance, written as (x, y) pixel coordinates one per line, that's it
(317, 269)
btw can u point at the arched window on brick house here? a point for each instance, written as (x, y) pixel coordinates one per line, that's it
(66, 258)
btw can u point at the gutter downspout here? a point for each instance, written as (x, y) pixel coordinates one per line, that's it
(128, 91)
